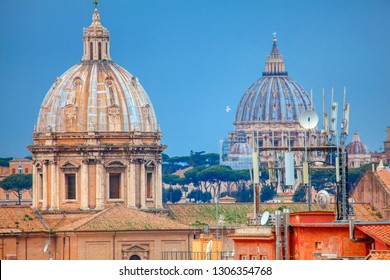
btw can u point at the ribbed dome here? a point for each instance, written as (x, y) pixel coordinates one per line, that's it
(96, 94)
(274, 97)
(356, 147)
(240, 149)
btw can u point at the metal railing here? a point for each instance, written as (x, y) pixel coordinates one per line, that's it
(188, 255)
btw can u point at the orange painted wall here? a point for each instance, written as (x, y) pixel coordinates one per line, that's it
(305, 241)
(254, 247)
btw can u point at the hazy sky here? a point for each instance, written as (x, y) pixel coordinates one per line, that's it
(195, 57)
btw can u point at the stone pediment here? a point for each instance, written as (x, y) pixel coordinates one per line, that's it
(136, 248)
(70, 166)
(150, 165)
(115, 166)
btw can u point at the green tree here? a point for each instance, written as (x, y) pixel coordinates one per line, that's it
(198, 195)
(300, 194)
(267, 193)
(5, 161)
(172, 194)
(215, 174)
(17, 183)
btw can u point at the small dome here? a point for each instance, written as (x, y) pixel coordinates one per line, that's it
(96, 94)
(240, 149)
(275, 97)
(356, 147)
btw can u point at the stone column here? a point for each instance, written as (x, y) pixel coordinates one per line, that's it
(84, 185)
(44, 183)
(35, 186)
(158, 185)
(131, 185)
(143, 186)
(54, 186)
(99, 186)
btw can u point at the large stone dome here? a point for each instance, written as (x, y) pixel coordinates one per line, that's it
(96, 141)
(96, 94)
(275, 97)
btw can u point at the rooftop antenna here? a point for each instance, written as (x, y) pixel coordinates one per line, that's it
(96, 3)
(308, 120)
(344, 133)
(333, 120)
(325, 116)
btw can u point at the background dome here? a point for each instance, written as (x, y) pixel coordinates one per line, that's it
(274, 97)
(356, 147)
(241, 149)
(96, 94)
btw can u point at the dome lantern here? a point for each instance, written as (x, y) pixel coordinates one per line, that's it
(275, 64)
(96, 40)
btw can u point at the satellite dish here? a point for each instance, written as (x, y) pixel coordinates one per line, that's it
(323, 199)
(45, 248)
(308, 119)
(264, 218)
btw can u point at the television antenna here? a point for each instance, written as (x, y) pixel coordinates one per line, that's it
(208, 250)
(46, 247)
(323, 199)
(264, 218)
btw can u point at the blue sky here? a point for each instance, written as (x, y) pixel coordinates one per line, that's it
(195, 57)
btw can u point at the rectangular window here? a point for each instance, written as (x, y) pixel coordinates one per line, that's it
(263, 258)
(318, 245)
(253, 257)
(70, 183)
(243, 257)
(149, 177)
(115, 180)
(40, 184)
(7, 196)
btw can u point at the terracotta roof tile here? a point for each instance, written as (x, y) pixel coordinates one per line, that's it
(121, 218)
(20, 218)
(379, 255)
(379, 232)
(236, 213)
(384, 174)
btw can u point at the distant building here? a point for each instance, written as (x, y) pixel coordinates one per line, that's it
(267, 117)
(358, 153)
(387, 145)
(374, 188)
(20, 166)
(16, 166)
(383, 155)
